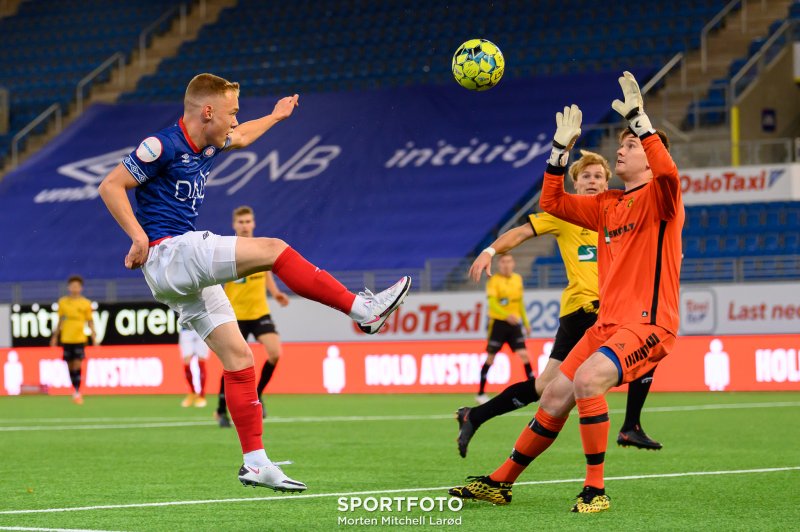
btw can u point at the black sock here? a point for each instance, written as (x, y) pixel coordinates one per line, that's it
(513, 397)
(75, 377)
(637, 393)
(266, 375)
(222, 406)
(484, 371)
(528, 370)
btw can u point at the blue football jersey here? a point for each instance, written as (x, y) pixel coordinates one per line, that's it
(171, 172)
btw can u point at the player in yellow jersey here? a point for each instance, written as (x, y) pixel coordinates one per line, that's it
(248, 297)
(74, 312)
(579, 306)
(507, 318)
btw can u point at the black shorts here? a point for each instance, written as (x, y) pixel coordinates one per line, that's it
(570, 329)
(74, 352)
(262, 325)
(501, 332)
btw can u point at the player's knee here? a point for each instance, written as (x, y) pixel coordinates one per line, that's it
(587, 383)
(274, 355)
(271, 248)
(523, 355)
(557, 398)
(275, 246)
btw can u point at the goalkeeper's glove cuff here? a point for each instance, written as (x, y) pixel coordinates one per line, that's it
(559, 155)
(639, 122)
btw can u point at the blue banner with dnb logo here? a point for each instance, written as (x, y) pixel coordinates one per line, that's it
(354, 181)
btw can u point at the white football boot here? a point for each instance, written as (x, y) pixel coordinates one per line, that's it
(382, 304)
(268, 476)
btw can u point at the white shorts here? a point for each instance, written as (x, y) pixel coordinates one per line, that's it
(185, 272)
(192, 345)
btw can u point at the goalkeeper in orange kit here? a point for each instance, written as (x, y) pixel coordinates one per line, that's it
(639, 255)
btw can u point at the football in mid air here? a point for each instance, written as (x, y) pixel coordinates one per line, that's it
(478, 65)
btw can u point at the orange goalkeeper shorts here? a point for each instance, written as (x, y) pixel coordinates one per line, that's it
(635, 348)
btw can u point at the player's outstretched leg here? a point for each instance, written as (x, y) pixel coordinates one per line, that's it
(369, 310)
(631, 434)
(513, 397)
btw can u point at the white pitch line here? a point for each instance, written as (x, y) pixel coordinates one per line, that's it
(52, 529)
(103, 427)
(329, 419)
(99, 419)
(382, 492)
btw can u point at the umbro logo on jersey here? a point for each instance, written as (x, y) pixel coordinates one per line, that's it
(644, 314)
(621, 347)
(185, 158)
(205, 235)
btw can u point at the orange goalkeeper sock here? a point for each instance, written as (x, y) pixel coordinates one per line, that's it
(533, 441)
(593, 412)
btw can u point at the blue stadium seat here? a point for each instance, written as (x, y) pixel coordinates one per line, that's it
(692, 247)
(751, 244)
(772, 243)
(712, 246)
(791, 243)
(729, 246)
(793, 218)
(716, 218)
(773, 218)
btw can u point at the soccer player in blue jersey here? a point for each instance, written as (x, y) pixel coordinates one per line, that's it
(184, 267)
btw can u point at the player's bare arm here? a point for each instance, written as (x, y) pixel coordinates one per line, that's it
(114, 191)
(93, 331)
(504, 243)
(56, 333)
(248, 132)
(276, 293)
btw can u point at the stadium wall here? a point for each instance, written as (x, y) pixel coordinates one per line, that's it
(698, 363)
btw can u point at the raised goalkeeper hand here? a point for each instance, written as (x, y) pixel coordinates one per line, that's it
(568, 129)
(632, 109)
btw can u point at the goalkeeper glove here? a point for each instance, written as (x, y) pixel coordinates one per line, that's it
(568, 129)
(632, 108)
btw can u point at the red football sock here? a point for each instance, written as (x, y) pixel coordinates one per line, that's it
(305, 279)
(593, 412)
(534, 440)
(202, 365)
(187, 371)
(240, 394)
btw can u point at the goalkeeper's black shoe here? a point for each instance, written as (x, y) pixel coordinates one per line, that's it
(465, 430)
(484, 489)
(591, 500)
(636, 437)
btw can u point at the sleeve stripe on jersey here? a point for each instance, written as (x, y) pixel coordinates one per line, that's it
(134, 169)
(530, 221)
(661, 231)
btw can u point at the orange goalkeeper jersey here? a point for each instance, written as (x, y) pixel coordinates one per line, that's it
(639, 240)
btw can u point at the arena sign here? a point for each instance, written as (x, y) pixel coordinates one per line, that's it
(698, 363)
(740, 184)
(115, 324)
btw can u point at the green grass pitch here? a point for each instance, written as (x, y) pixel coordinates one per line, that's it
(118, 451)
